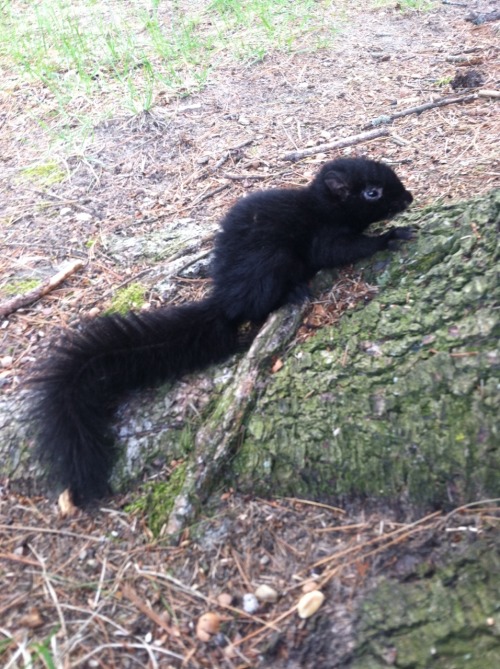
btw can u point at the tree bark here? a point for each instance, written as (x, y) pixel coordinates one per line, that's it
(396, 403)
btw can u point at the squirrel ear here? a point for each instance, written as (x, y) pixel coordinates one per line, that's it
(336, 184)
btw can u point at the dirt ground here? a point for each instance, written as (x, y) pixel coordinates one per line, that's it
(99, 590)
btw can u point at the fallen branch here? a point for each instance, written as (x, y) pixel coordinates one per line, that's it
(385, 119)
(339, 144)
(23, 300)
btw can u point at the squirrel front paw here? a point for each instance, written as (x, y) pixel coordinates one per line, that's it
(396, 235)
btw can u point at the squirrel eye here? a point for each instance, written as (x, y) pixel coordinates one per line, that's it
(372, 194)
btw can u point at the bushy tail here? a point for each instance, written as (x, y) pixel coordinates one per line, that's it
(78, 387)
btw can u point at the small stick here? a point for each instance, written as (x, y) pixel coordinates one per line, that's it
(228, 153)
(35, 294)
(73, 203)
(210, 193)
(488, 93)
(339, 144)
(464, 59)
(242, 177)
(388, 118)
(320, 505)
(129, 592)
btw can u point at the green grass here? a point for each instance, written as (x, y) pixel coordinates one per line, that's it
(407, 5)
(43, 174)
(93, 59)
(35, 654)
(42, 652)
(19, 286)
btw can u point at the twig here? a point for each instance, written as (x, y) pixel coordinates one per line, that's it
(242, 177)
(18, 558)
(388, 118)
(216, 437)
(74, 203)
(51, 591)
(340, 528)
(244, 577)
(459, 509)
(229, 152)
(330, 573)
(488, 93)
(50, 530)
(130, 646)
(401, 531)
(210, 193)
(339, 144)
(31, 296)
(319, 505)
(129, 592)
(464, 59)
(101, 581)
(261, 630)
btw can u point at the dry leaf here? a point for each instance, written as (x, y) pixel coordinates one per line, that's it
(277, 366)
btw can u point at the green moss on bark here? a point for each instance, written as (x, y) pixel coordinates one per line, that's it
(399, 400)
(447, 620)
(158, 498)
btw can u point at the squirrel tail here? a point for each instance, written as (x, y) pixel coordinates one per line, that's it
(79, 386)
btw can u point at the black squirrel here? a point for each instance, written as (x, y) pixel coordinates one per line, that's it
(270, 245)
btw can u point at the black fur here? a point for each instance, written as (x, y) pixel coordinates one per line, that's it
(270, 245)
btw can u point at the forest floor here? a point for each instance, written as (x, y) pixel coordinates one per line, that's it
(99, 590)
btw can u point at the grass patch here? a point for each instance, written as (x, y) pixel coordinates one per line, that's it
(408, 5)
(251, 30)
(35, 654)
(43, 174)
(99, 59)
(19, 287)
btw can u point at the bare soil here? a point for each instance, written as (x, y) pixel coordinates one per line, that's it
(99, 590)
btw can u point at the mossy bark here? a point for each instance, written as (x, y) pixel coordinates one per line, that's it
(399, 400)
(447, 617)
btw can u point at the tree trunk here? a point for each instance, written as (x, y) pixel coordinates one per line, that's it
(397, 402)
